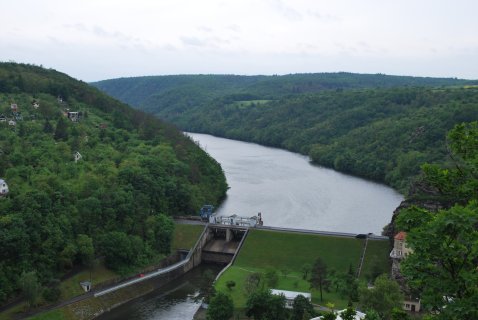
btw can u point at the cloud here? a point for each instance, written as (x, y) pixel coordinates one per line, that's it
(234, 27)
(100, 32)
(205, 29)
(285, 10)
(193, 41)
(323, 17)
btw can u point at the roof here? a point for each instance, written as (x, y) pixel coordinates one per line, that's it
(402, 235)
(290, 295)
(2, 181)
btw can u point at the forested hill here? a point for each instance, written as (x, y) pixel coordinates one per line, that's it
(376, 126)
(88, 176)
(164, 95)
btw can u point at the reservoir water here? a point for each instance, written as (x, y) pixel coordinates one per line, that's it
(289, 192)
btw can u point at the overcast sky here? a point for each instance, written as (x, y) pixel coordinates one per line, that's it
(100, 39)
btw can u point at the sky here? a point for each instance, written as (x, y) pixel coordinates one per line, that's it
(102, 39)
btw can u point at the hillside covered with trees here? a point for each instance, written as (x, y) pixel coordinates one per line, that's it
(376, 126)
(88, 176)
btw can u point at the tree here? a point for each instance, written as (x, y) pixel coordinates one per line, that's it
(348, 314)
(61, 130)
(252, 282)
(230, 284)
(86, 250)
(271, 278)
(302, 308)
(338, 281)
(371, 314)
(305, 270)
(329, 316)
(383, 297)
(47, 127)
(458, 184)
(30, 286)
(263, 305)
(220, 307)
(442, 265)
(318, 276)
(351, 285)
(399, 314)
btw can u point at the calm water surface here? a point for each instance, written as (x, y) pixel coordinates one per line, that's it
(291, 192)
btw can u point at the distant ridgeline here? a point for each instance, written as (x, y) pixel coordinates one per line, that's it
(376, 126)
(87, 175)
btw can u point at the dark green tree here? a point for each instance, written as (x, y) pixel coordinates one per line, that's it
(252, 282)
(302, 308)
(220, 307)
(400, 314)
(47, 127)
(263, 305)
(305, 270)
(61, 130)
(230, 284)
(329, 316)
(271, 277)
(348, 314)
(30, 286)
(318, 276)
(86, 250)
(383, 297)
(442, 265)
(371, 314)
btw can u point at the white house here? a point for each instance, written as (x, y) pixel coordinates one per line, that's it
(290, 296)
(3, 187)
(14, 107)
(73, 116)
(86, 285)
(411, 304)
(77, 156)
(12, 123)
(35, 104)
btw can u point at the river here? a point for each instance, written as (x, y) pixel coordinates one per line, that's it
(289, 192)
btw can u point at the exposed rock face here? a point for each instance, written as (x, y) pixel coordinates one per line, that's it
(420, 195)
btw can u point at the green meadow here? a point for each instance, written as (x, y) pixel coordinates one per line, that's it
(287, 253)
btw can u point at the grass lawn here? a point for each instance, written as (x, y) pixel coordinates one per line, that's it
(57, 314)
(284, 250)
(10, 313)
(263, 250)
(185, 236)
(376, 258)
